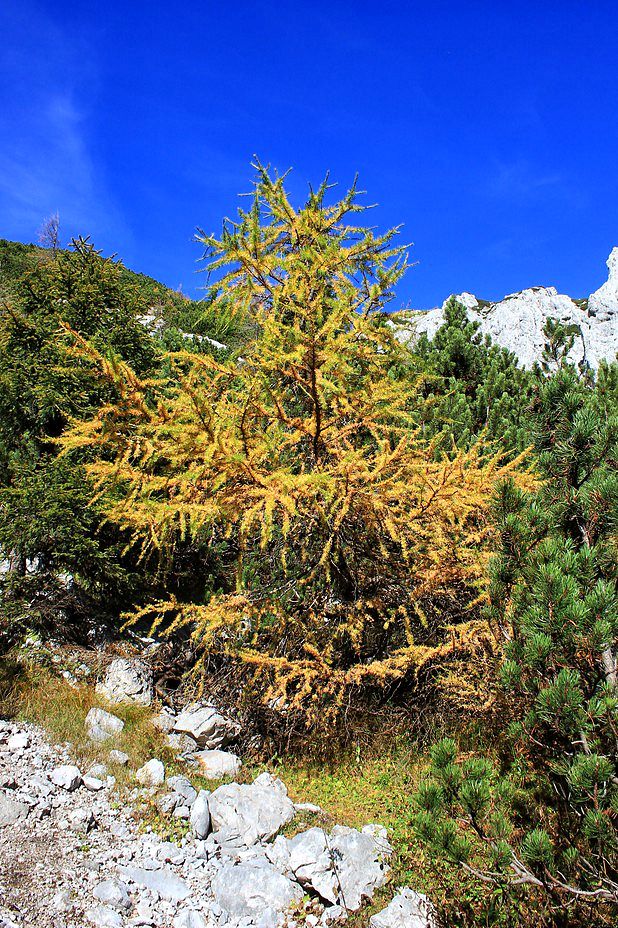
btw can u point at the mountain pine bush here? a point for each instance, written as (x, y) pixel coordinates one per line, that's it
(540, 811)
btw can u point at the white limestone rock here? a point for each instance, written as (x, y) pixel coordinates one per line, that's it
(82, 820)
(200, 815)
(127, 681)
(102, 916)
(345, 867)
(113, 893)
(164, 720)
(254, 889)
(102, 725)
(163, 881)
(215, 765)
(183, 788)
(603, 316)
(119, 757)
(18, 742)
(67, 777)
(151, 774)
(188, 918)
(206, 725)
(11, 811)
(182, 743)
(408, 909)
(255, 811)
(93, 784)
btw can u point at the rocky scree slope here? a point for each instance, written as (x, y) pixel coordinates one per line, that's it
(517, 321)
(72, 853)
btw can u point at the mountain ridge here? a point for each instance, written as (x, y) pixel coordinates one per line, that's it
(516, 322)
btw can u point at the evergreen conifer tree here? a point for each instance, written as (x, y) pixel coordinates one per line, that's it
(45, 517)
(545, 816)
(472, 387)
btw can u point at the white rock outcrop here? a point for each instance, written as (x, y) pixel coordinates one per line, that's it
(517, 321)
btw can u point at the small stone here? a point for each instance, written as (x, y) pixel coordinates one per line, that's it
(113, 893)
(408, 909)
(164, 721)
(164, 882)
(181, 742)
(93, 784)
(333, 915)
(308, 807)
(82, 820)
(11, 811)
(183, 788)
(167, 803)
(102, 725)
(216, 765)
(104, 917)
(151, 774)
(171, 853)
(18, 742)
(119, 757)
(62, 900)
(189, 918)
(200, 815)
(98, 770)
(67, 777)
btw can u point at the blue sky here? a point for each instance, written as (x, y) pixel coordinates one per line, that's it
(488, 129)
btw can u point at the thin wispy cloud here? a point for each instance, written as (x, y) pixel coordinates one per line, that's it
(522, 179)
(46, 156)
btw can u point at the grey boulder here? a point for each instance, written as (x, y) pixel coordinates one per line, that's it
(102, 725)
(206, 725)
(408, 909)
(180, 742)
(127, 681)
(253, 889)
(164, 721)
(255, 811)
(345, 867)
(215, 765)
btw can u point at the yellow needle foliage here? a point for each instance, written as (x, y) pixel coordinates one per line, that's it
(351, 543)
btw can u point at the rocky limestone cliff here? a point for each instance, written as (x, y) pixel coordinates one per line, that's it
(517, 321)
